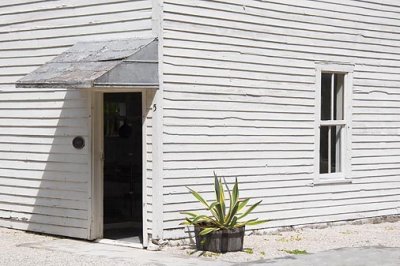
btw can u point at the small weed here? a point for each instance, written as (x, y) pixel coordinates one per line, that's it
(292, 238)
(209, 254)
(282, 239)
(295, 251)
(296, 238)
(248, 250)
(347, 232)
(262, 253)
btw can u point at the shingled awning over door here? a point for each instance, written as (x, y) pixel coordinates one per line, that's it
(116, 63)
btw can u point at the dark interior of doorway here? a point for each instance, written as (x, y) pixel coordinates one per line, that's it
(123, 166)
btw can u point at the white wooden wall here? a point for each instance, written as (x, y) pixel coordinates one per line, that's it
(239, 92)
(43, 180)
(149, 160)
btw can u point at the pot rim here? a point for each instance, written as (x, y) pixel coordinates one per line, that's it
(220, 229)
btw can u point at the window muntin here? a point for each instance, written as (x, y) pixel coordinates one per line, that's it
(332, 96)
(332, 123)
(331, 139)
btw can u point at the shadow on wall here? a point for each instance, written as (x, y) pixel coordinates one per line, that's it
(54, 195)
(44, 180)
(53, 176)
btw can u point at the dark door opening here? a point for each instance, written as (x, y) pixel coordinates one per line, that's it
(123, 166)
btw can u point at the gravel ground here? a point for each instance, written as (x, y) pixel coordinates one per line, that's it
(15, 251)
(306, 241)
(17, 247)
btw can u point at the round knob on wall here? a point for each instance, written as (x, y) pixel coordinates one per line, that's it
(78, 142)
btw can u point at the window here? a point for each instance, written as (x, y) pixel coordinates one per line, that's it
(333, 123)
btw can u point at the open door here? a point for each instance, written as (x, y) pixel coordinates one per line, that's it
(123, 167)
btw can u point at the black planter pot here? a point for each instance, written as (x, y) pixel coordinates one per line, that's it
(221, 241)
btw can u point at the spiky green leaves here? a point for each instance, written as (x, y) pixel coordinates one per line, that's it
(222, 218)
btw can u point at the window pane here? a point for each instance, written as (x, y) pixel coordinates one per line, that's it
(323, 151)
(330, 160)
(326, 92)
(336, 150)
(339, 97)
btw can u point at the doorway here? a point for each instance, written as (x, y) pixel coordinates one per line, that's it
(123, 167)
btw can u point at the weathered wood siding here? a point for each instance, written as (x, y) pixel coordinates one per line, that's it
(43, 179)
(44, 182)
(239, 92)
(149, 160)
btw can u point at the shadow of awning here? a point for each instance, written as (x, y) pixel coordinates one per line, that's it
(115, 63)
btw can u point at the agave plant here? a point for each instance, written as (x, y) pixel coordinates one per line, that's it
(222, 216)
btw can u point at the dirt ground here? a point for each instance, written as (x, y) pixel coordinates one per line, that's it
(305, 241)
(15, 250)
(21, 248)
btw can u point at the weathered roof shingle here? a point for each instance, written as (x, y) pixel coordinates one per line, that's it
(125, 62)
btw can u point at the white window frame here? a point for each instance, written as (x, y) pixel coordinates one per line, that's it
(345, 174)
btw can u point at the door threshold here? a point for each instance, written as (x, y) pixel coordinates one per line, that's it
(120, 243)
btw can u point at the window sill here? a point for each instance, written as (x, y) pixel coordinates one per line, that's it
(331, 182)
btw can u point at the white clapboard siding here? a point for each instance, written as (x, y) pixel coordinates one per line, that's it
(46, 202)
(239, 99)
(44, 181)
(33, 33)
(44, 227)
(149, 160)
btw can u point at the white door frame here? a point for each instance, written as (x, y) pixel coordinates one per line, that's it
(97, 179)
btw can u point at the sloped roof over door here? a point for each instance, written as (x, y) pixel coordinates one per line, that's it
(125, 62)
